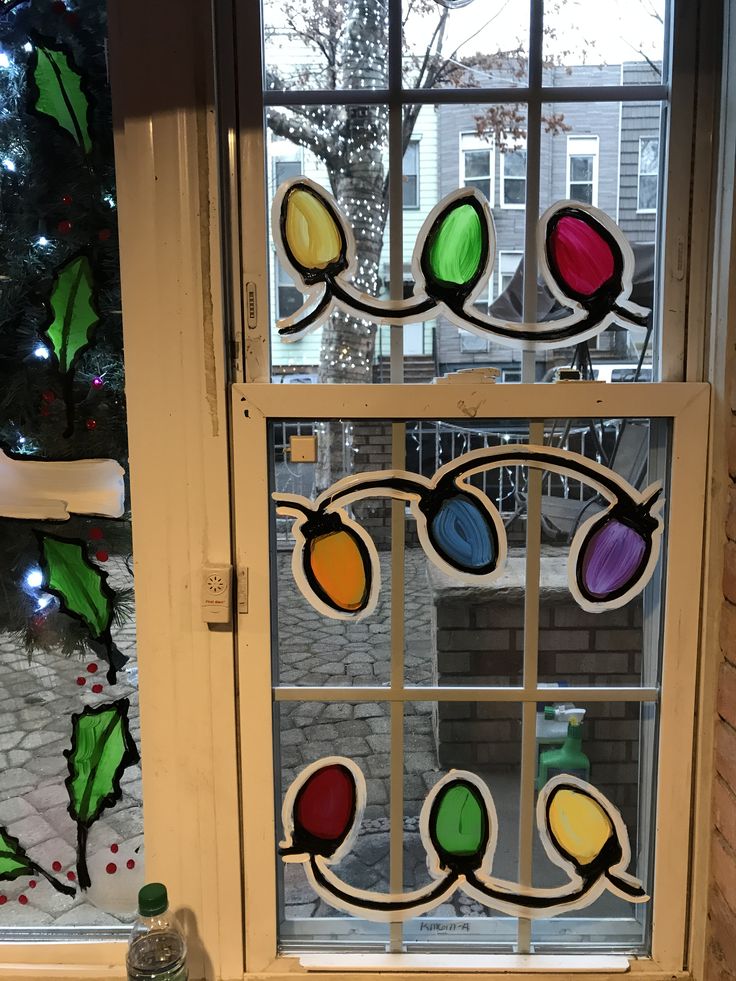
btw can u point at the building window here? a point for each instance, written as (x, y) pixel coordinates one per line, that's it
(411, 175)
(288, 297)
(582, 169)
(476, 164)
(508, 263)
(648, 173)
(513, 177)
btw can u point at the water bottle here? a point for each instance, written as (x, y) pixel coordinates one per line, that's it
(156, 950)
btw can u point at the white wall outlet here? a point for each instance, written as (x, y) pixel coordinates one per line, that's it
(217, 593)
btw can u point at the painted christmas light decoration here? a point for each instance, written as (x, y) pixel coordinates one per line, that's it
(585, 260)
(581, 831)
(335, 562)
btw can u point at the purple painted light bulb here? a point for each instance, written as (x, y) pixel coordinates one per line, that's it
(613, 557)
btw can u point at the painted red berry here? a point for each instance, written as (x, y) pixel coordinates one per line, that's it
(3, 900)
(81, 681)
(56, 866)
(92, 668)
(111, 868)
(97, 689)
(130, 864)
(33, 883)
(23, 900)
(114, 849)
(71, 876)
(102, 555)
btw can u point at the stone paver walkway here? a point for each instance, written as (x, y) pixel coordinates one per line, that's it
(37, 698)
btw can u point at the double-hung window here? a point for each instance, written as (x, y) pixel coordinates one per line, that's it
(376, 662)
(648, 172)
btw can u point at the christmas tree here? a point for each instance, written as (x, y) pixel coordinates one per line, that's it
(61, 347)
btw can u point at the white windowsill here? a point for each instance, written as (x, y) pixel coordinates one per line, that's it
(536, 963)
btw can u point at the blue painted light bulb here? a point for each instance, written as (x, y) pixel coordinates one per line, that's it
(462, 531)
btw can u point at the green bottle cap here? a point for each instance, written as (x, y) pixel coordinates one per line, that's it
(153, 899)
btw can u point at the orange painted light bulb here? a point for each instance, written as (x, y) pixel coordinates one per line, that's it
(337, 564)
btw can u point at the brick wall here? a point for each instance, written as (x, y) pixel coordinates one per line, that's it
(479, 637)
(721, 952)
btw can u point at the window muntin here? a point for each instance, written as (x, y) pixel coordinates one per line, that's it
(411, 176)
(582, 169)
(648, 172)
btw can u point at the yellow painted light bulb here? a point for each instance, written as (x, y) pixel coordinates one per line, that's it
(338, 567)
(311, 231)
(579, 825)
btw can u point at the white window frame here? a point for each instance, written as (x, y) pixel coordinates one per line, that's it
(513, 146)
(471, 141)
(591, 141)
(687, 405)
(639, 175)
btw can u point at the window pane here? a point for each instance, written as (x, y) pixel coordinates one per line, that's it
(617, 192)
(467, 47)
(581, 169)
(514, 163)
(622, 42)
(308, 46)
(582, 193)
(477, 163)
(67, 615)
(649, 155)
(344, 349)
(514, 191)
(647, 193)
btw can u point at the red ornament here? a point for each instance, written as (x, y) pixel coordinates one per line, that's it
(92, 668)
(64, 227)
(71, 876)
(56, 866)
(48, 395)
(325, 805)
(81, 681)
(3, 900)
(33, 883)
(67, 199)
(111, 868)
(97, 689)
(91, 424)
(96, 534)
(114, 849)
(102, 555)
(130, 864)
(23, 900)
(104, 234)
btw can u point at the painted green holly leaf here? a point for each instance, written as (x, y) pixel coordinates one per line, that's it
(102, 749)
(80, 585)
(15, 863)
(455, 251)
(74, 313)
(60, 94)
(13, 860)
